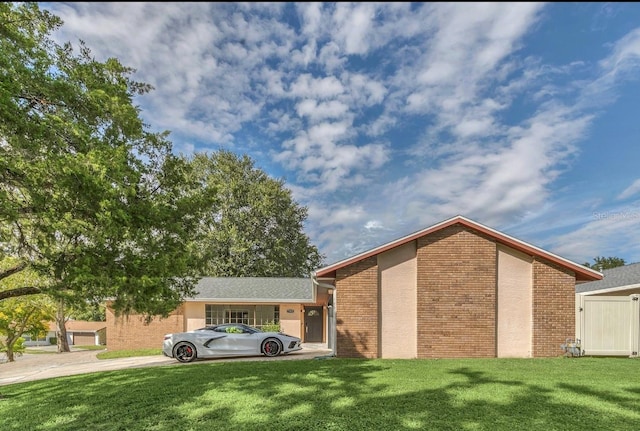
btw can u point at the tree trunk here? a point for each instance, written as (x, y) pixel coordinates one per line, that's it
(61, 330)
(10, 355)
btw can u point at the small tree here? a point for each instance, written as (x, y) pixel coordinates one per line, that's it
(17, 349)
(19, 316)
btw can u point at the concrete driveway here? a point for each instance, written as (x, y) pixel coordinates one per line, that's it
(37, 366)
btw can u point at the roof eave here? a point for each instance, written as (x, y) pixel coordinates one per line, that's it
(582, 273)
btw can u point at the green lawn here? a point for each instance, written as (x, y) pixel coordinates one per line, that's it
(337, 394)
(128, 353)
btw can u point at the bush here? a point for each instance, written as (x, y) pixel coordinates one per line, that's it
(271, 327)
(53, 341)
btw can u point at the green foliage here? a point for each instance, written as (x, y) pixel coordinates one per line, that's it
(89, 198)
(17, 349)
(253, 227)
(18, 316)
(271, 327)
(22, 315)
(89, 311)
(338, 394)
(233, 330)
(601, 263)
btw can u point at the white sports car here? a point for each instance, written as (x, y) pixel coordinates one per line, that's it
(229, 339)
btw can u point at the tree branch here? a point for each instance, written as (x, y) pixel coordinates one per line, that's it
(20, 291)
(9, 272)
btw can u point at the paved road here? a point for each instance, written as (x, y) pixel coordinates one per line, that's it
(29, 366)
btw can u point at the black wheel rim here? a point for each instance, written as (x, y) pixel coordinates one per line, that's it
(184, 353)
(271, 348)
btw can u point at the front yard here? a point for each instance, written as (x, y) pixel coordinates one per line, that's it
(337, 394)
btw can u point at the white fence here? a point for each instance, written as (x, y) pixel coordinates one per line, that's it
(608, 325)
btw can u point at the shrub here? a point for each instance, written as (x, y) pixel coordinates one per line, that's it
(271, 327)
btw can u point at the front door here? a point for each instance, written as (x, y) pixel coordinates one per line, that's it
(313, 324)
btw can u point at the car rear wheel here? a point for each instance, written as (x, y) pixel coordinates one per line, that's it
(271, 347)
(184, 352)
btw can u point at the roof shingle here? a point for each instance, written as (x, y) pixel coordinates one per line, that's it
(254, 289)
(620, 276)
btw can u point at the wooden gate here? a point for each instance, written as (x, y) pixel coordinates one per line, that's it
(608, 325)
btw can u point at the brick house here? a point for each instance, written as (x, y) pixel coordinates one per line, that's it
(295, 303)
(455, 289)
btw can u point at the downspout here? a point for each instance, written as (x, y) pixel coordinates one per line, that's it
(334, 331)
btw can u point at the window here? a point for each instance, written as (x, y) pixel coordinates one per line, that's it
(237, 316)
(252, 315)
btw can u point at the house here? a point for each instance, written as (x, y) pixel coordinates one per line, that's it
(295, 303)
(455, 289)
(79, 333)
(608, 313)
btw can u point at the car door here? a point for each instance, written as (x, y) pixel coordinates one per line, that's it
(245, 343)
(232, 340)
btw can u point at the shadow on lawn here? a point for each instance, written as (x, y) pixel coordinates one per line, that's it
(332, 394)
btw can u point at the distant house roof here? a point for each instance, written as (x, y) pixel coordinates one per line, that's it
(582, 273)
(254, 289)
(80, 326)
(618, 278)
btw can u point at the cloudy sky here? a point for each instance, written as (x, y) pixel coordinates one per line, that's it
(386, 118)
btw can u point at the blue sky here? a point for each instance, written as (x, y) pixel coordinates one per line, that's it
(386, 118)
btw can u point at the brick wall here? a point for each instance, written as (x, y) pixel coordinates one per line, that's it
(553, 307)
(357, 308)
(456, 282)
(131, 332)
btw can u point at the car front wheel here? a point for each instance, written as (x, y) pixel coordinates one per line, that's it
(184, 352)
(271, 347)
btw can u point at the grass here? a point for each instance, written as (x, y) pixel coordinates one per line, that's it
(337, 394)
(90, 347)
(128, 353)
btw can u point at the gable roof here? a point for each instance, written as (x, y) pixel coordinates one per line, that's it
(619, 278)
(582, 272)
(254, 289)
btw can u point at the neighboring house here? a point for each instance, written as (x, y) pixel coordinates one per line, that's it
(79, 333)
(608, 313)
(294, 303)
(619, 281)
(455, 289)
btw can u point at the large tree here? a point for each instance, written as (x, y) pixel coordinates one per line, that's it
(89, 198)
(254, 227)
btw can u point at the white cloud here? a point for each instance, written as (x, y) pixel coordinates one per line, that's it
(320, 111)
(632, 190)
(322, 88)
(606, 234)
(373, 224)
